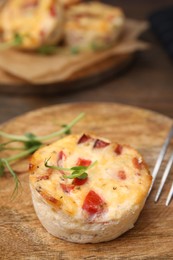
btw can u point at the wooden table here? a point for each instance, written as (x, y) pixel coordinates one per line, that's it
(148, 83)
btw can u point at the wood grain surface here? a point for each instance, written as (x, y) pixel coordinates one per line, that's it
(21, 234)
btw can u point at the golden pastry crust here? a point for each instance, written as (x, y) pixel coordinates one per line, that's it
(99, 207)
(93, 25)
(37, 22)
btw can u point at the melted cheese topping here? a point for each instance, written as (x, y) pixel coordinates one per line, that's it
(34, 20)
(93, 23)
(119, 177)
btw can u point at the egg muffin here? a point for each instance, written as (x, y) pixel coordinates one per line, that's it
(35, 22)
(93, 26)
(86, 189)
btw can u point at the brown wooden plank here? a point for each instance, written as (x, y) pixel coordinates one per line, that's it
(23, 237)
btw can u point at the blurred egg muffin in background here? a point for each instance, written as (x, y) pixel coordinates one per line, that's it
(93, 25)
(37, 22)
(74, 25)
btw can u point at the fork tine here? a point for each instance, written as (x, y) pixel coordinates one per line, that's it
(169, 195)
(164, 177)
(160, 157)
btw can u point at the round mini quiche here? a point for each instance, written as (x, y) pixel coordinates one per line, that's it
(35, 22)
(86, 189)
(93, 26)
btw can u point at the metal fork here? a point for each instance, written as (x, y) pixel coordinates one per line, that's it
(166, 171)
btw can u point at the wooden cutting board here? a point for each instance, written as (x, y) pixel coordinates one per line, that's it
(21, 234)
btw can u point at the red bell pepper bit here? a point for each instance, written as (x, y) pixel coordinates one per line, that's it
(53, 12)
(79, 182)
(61, 156)
(111, 17)
(137, 164)
(42, 35)
(31, 166)
(30, 4)
(84, 138)
(118, 149)
(67, 187)
(83, 162)
(100, 144)
(44, 177)
(93, 203)
(122, 175)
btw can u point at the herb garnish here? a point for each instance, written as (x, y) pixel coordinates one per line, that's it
(75, 50)
(16, 41)
(67, 131)
(79, 172)
(30, 143)
(47, 49)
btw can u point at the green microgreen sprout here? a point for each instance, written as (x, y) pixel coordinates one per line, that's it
(29, 144)
(67, 131)
(18, 39)
(75, 50)
(3, 146)
(15, 42)
(5, 163)
(79, 172)
(48, 49)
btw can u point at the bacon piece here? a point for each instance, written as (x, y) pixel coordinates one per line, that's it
(83, 162)
(100, 144)
(93, 203)
(137, 164)
(79, 182)
(84, 138)
(67, 187)
(118, 149)
(122, 175)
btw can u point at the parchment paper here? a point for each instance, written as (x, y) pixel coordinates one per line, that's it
(38, 69)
